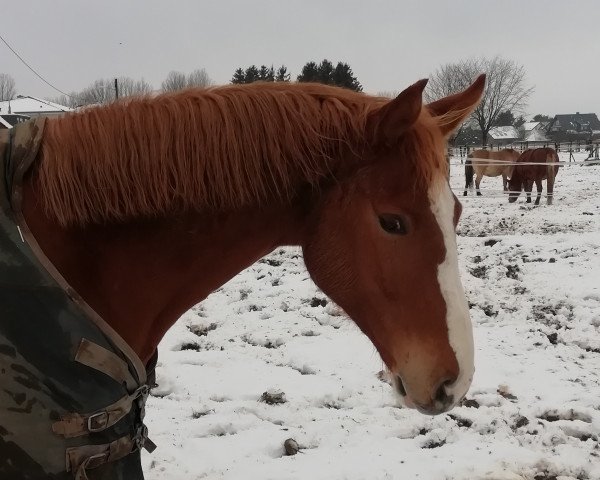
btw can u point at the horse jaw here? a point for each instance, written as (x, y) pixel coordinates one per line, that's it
(458, 320)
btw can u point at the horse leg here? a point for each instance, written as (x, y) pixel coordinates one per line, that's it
(469, 172)
(550, 183)
(477, 182)
(538, 184)
(504, 182)
(528, 188)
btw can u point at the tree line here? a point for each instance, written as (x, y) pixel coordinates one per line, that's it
(503, 103)
(103, 90)
(340, 75)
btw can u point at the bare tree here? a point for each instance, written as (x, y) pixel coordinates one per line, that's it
(199, 78)
(7, 87)
(505, 89)
(129, 87)
(100, 92)
(174, 81)
(70, 101)
(388, 93)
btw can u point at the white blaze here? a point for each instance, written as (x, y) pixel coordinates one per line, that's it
(460, 330)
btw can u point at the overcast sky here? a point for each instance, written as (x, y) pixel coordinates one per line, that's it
(388, 44)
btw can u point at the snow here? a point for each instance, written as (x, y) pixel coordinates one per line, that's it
(533, 411)
(28, 104)
(504, 133)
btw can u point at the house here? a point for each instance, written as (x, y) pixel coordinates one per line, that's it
(32, 107)
(10, 120)
(534, 131)
(574, 126)
(503, 135)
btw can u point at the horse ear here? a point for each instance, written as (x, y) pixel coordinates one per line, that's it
(389, 122)
(454, 109)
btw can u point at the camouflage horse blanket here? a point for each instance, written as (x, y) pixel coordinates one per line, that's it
(72, 392)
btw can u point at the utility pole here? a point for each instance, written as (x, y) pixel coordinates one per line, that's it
(116, 89)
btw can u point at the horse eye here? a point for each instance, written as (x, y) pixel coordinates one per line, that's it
(394, 224)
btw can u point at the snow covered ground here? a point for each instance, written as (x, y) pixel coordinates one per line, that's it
(532, 275)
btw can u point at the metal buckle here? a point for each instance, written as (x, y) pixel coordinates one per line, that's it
(97, 422)
(96, 460)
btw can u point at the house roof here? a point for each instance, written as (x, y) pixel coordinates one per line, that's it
(535, 135)
(29, 104)
(575, 121)
(528, 126)
(503, 133)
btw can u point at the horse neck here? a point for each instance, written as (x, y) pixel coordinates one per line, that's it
(142, 276)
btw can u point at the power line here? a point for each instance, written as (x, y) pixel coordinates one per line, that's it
(31, 68)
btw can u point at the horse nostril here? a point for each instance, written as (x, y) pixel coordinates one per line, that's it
(440, 394)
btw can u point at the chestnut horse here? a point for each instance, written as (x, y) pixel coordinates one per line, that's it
(490, 164)
(534, 166)
(147, 206)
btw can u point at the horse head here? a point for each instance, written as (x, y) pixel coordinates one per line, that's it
(381, 243)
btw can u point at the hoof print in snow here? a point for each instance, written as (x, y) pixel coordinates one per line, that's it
(196, 415)
(479, 272)
(545, 476)
(332, 405)
(489, 311)
(434, 443)
(310, 333)
(460, 421)
(512, 271)
(504, 392)
(491, 242)
(520, 421)
(384, 376)
(570, 414)
(191, 346)
(552, 260)
(262, 342)
(470, 403)
(202, 330)
(318, 302)
(273, 397)
(290, 446)
(271, 261)
(553, 338)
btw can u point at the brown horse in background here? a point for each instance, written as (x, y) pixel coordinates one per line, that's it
(490, 164)
(534, 166)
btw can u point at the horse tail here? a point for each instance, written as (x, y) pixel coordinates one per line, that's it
(469, 173)
(551, 170)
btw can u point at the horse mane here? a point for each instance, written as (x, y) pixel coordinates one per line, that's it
(218, 148)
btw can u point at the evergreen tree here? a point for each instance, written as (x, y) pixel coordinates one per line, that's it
(542, 118)
(309, 73)
(326, 72)
(344, 77)
(239, 76)
(266, 74)
(252, 74)
(282, 74)
(504, 119)
(519, 121)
